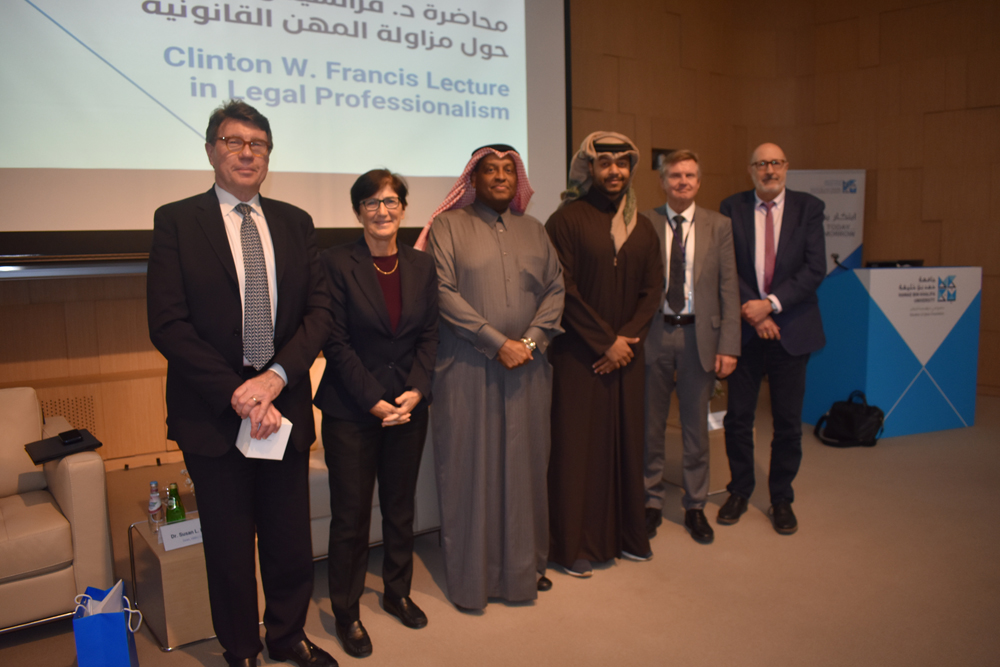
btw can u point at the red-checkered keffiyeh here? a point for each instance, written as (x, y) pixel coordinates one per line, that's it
(463, 192)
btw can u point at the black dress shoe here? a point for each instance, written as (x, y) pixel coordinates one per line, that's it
(783, 518)
(354, 638)
(697, 525)
(732, 510)
(544, 583)
(654, 517)
(243, 662)
(304, 654)
(405, 610)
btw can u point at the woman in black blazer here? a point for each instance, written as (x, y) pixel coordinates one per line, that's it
(374, 395)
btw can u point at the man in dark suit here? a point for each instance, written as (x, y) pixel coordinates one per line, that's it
(781, 260)
(238, 304)
(695, 336)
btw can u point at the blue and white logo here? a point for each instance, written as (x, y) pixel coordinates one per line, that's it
(947, 290)
(850, 187)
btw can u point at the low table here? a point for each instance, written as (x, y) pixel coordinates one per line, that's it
(171, 589)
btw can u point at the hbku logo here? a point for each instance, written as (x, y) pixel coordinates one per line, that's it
(947, 290)
(850, 187)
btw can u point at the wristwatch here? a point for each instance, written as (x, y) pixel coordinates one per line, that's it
(530, 344)
(774, 306)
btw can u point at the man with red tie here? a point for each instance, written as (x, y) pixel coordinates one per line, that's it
(781, 260)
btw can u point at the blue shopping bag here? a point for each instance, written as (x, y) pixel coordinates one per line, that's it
(102, 629)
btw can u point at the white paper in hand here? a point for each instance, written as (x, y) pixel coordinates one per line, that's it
(272, 447)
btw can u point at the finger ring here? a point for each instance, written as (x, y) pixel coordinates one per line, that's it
(253, 398)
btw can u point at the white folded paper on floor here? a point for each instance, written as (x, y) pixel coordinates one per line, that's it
(272, 447)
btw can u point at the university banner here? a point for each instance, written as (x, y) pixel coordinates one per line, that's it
(843, 192)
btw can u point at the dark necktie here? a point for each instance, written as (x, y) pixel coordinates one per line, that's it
(675, 286)
(768, 246)
(258, 329)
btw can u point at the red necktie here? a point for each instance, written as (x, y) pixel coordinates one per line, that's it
(768, 246)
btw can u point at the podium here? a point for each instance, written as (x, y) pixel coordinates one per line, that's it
(908, 338)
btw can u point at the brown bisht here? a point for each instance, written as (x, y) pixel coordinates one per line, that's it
(596, 490)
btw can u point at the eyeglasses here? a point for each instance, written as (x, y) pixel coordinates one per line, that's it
(762, 165)
(391, 203)
(235, 145)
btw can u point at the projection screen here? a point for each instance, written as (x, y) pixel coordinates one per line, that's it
(105, 104)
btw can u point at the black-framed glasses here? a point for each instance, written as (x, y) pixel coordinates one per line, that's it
(236, 144)
(762, 164)
(391, 203)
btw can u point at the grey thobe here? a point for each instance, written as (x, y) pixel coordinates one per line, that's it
(498, 280)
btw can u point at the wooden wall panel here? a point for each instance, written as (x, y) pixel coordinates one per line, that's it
(14, 292)
(995, 192)
(989, 361)
(590, 66)
(837, 46)
(123, 337)
(81, 338)
(34, 342)
(868, 40)
(958, 193)
(971, 136)
(983, 73)
(900, 141)
(92, 289)
(133, 417)
(989, 318)
(938, 29)
(971, 242)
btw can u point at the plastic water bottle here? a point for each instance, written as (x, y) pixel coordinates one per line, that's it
(155, 511)
(175, 509)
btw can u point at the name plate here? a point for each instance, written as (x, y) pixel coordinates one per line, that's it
(181, 534)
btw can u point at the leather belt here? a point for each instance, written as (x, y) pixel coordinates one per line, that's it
(678, 320)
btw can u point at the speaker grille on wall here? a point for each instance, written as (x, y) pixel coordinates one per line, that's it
(78, 411)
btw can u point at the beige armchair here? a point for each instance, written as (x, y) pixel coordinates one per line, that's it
(54, 534)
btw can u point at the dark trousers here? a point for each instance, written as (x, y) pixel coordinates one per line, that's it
(240, 499)
(357, 453)
(787, 379)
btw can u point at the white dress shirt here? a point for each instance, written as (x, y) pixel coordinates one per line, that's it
(687, 242)
(760, 218)
(233, 220)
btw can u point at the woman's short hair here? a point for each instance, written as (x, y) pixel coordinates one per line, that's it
(370, 182)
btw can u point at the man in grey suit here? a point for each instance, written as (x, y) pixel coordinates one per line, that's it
(694, 339)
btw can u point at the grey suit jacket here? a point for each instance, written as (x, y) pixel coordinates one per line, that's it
(716, 287)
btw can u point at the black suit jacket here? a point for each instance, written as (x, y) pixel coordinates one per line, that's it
(366, 361)
(799, 266)
(196, 319)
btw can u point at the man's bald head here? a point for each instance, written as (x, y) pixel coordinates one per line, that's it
(768, 169)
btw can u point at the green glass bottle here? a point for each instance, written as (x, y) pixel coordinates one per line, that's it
(175, 509)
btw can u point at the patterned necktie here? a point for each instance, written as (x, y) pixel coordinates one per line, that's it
(258, 329)
(768, 246)
(675, 288)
